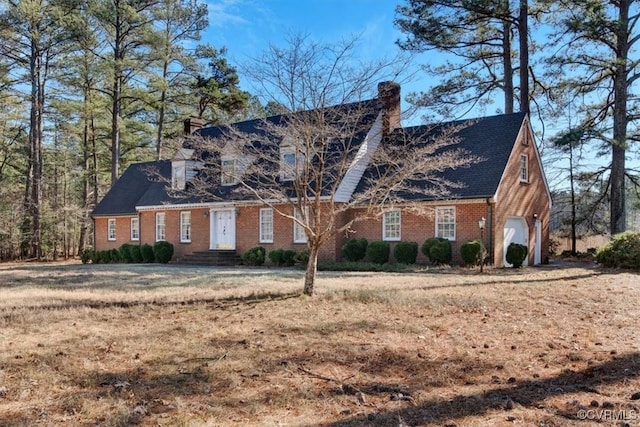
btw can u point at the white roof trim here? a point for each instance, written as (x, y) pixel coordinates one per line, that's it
(360, 162)
(221, 204)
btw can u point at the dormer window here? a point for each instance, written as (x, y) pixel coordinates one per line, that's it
(183, 168)
(178, 175)
(291, 162)
(229, 170)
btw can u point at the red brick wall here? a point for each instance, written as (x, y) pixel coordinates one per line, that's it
(123, 232)
(418, 228)
(199, 230)
(517, 199)
(248, 232)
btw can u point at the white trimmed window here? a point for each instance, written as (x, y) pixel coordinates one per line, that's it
(446, 223)
(185, 227)
(266, 225)
(299, 235)
(524, 168)
(161, 230)
(178, 175)
(391, 223)
(111, 229)
(291, 162)
(229, 168)
(135, 229)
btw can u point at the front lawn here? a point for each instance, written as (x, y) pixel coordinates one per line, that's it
(116, 345)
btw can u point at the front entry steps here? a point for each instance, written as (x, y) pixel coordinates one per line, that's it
(212, 258)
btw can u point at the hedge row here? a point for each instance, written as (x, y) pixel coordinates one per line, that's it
(160, 252)
(280, 257)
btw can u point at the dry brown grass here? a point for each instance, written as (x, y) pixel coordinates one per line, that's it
(171, 346)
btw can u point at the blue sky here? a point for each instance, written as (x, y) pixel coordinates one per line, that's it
(247, 27)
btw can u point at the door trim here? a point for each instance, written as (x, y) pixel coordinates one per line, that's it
(213, 214)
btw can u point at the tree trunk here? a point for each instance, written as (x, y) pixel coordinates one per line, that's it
(523, 31)
(617, 180)
(116, 93)
(161, 112)
(508, 67)
(312, 268)
(35, 140)
(574, 219)
(115, 130)
(85, 176)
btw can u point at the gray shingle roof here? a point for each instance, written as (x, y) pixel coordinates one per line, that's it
(491, 138)
(130, 188)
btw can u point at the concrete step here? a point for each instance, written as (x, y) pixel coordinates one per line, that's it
(212, 258)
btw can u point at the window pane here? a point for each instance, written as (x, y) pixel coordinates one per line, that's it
(135, 229)
(524, 168)
(299, 236)
(228, 172)
(391, 225)
(179, 177)
(160, 227)
(288, 165)
(446, 223)
(111, 229)
(266, 225)
(185, 226)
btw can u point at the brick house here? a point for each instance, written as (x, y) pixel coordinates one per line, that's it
(507, 191)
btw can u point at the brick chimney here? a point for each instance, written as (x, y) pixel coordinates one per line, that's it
(389, 97)
(192, 124)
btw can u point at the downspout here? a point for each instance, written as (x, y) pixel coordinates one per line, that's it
(139, 229)
(490, 231)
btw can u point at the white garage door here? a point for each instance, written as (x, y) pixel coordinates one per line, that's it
(515, 231)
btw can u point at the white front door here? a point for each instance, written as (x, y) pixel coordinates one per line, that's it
(537, 248)
(515, 231)
(223, 229)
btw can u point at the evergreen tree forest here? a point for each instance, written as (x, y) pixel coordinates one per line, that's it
(86, 88)
(89, 86)
(573, 65)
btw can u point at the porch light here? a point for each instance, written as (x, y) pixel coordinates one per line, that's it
(481, 223)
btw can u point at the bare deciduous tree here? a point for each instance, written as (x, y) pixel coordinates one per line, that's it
(328, 167)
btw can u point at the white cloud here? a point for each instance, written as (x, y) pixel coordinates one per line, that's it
(225, 12)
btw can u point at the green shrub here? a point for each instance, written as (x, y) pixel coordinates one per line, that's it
(302, 257)
(105, 256)
(378, 252)
(254, 256)
(516, 254)
(276, 256)
(622, 252)
(95, 257)
(406, 252)
(472, 252)
(355, 249)
(289, 257)
(146, 251)
(437, 250)
(115, 256)
(87, 255)
(123, 252)
(135, 254)
(163, 251)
